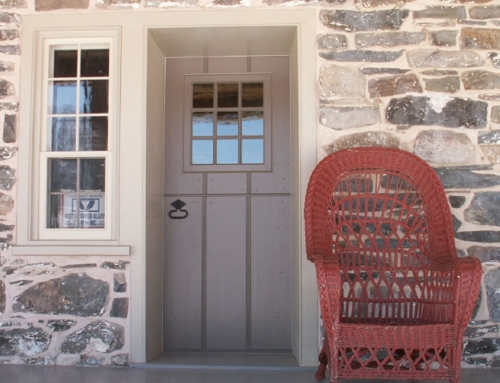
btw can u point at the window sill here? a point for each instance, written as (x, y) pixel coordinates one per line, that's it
(71, 250)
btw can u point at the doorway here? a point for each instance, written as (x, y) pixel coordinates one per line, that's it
(258, 33)
(227, 266)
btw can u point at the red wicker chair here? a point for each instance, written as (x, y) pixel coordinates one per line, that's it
(395, 298)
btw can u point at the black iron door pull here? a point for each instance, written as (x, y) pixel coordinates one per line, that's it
(178, 206)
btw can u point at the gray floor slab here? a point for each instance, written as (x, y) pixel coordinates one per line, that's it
(59, 374)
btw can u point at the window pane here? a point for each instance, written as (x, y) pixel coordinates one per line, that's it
(227, 151)
(203, 95)
(227, 123)
(63, 97)
(65, 63)
(203, 124)
(94, 62)
(92, 174)
(252, 94)
(202, 152)
(63, 133)
(91, 211)
(61, 211)
(94, 96)
(93, 133)
(62, 175)
(227, 96)
(252, 123)
(73, 211)
(252, 151)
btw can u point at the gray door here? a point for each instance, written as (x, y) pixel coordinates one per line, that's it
(227, 204)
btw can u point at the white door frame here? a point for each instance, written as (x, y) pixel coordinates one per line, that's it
(298, 32)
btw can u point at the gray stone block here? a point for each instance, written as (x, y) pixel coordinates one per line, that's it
(440, 111)
(362, 56)
(440, 12)
(467, 177)
(111, 336)
(353, 21)
(74, 294)
(389, 39)
(480, 38)
(449, 84)
(356, 140)
(435, 58)
(23, 342)
(480, 79)
(484, 209)
(340, 118)
(391, 86)
(485, 12)
(444, 147)
(485, 253)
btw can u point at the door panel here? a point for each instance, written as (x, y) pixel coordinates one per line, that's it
(227, 183)
(177, 182)
(183, 276)
(270, 269)
(226, 273)
(228, 262)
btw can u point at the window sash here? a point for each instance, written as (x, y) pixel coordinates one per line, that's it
(48, 43)
(83, 233)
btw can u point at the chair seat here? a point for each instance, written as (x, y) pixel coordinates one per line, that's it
(401, 335)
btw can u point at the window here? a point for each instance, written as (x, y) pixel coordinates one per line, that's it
(77, 138)
(228, 123)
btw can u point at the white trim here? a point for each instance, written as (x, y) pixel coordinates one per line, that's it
(71, 250)
(33, 170)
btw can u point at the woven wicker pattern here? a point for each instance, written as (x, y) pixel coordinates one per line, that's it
(395, 298)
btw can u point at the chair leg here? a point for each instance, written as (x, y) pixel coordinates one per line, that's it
(323, 361)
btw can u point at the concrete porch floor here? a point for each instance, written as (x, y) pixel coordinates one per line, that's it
(191, 374)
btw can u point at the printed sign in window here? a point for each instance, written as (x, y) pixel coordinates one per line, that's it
(87, 211)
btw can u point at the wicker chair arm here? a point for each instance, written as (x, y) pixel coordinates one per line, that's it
(329, 288)
(470, 275)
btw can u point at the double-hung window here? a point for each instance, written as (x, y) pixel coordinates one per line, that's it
(77, 122)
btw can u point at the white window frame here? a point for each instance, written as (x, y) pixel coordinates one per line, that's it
(37, 220)
(191, 79)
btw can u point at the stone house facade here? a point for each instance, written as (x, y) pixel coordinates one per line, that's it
(421, 75)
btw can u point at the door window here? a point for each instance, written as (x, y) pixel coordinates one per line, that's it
(228, 123)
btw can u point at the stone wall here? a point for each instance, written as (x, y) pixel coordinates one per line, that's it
(422, 75)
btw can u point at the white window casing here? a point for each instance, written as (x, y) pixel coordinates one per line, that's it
(33, 226)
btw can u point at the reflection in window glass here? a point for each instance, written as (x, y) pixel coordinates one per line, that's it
(202, 124)
(202, 152)
(252, 94)
(94, 96)
(94, 63)
(92, 174)
(63, 133)
(203, 95)
(252, 151)
(252, 123)
(227, 123)
(65, 63)
(227, 151)
(227, 95)
(63, 173)
(93, 133)
(63, 97)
